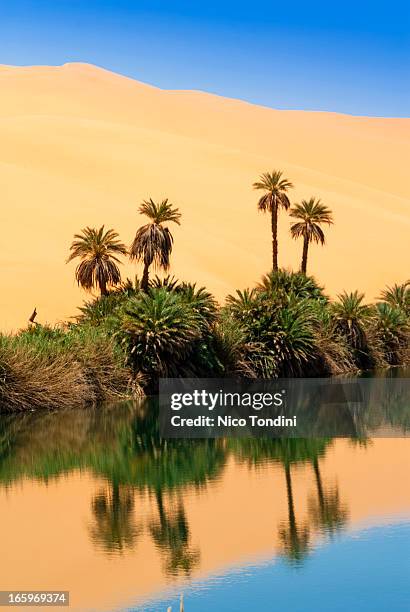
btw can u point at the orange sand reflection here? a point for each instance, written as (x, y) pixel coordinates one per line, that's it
(46, 542)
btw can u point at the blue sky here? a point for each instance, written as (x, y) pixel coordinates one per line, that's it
(347, 56)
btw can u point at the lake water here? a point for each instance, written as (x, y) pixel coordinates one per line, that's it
(94, 502)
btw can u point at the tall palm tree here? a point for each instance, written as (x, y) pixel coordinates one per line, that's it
(275, 189)
(310, 214)
(153, 242)
(98, 251)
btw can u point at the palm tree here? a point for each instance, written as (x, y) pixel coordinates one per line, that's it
(351, 316)
(392, 328)
(98, 251)
(153, 242)
(352, 320)
(275, 188)
(398, 296)
(311, 214)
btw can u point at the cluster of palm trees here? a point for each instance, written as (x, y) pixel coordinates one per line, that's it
(99, 250)
(310, 214)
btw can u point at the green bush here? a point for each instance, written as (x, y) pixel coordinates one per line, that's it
(56, 367)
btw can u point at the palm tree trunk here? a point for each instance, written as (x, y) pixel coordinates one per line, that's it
(103, 287)
(304, 255)
(145, 278)
(274, 225)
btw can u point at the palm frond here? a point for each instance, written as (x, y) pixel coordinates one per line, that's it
(275, 188)
(310, 214)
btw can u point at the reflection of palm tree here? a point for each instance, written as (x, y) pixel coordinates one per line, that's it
(287, 451)
(294, 539)
(328, 513)
(114, 529)
(171, 534)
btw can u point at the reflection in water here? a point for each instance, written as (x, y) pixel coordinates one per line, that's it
(294, 537)
(327, 512)
(121, 445)
(114, 528)
(171, 534)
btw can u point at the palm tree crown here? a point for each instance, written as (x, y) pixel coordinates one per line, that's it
(153, 242)
(398, 296)
(275, 188)
(98, 251)
(310, 214)
(351, 315)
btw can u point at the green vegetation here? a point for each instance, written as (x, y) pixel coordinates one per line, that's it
(133, 333)
(44, 367)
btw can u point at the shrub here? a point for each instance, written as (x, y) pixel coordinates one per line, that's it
(352, 318)
(279, 332)
(398, 296)
(159, 329)
(55, 367)
(391, 329)
(284, 283)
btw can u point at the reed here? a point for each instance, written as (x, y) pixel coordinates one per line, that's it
(55, 368)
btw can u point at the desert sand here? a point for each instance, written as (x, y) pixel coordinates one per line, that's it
(83, 146)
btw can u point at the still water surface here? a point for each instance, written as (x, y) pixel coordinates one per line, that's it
(94, 502)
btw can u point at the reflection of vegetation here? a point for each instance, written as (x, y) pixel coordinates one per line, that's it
(293, 537)
(114, 528)
(171, 534)
(122, 445)
(328, 513)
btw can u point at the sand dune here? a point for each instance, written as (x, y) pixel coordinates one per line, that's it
(83, 146)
